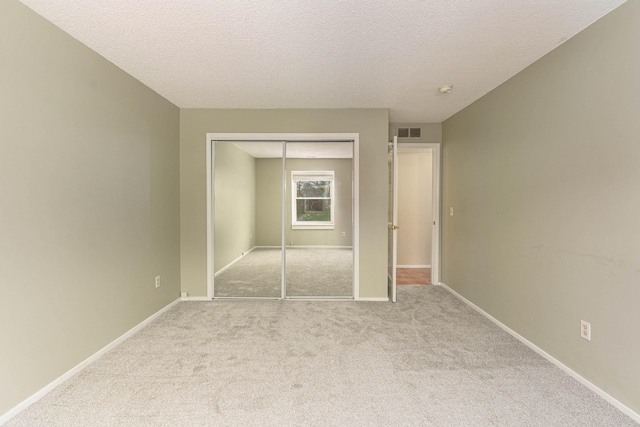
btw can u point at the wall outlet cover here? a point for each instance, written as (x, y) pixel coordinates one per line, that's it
(585, 330)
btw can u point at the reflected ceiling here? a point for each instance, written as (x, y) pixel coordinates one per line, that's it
(298, 150)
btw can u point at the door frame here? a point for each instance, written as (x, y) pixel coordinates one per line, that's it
(393, 220)
(282, 137)
(436, 195)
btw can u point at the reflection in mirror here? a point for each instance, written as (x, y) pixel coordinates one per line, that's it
(248, 219)
(319, 219)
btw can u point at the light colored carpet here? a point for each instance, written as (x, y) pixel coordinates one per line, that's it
(310, 272)
(257, 274)
(428, 360)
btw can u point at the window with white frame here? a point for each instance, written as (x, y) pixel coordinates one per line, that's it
(312, 200)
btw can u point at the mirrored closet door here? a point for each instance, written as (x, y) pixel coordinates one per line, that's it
(283, 219)
(248, 219)
(319, 219)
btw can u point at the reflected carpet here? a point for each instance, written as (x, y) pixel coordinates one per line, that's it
(310, 272)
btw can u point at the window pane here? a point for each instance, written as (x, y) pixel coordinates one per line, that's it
(313, 210)
(313, 188)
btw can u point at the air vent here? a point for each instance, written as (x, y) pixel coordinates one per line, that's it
(409, 132)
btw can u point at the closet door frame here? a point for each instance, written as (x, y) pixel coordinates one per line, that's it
(212, 138)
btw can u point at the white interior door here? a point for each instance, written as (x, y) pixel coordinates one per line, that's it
(393, 217)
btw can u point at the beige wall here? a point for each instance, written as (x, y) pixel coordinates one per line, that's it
(430, 133)
(89, 203)
(415, 208)
(544, 176)
(269, 205)
(235, 203)
(371, 124)
(269, 202)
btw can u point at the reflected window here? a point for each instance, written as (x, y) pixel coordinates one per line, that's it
(312, 199)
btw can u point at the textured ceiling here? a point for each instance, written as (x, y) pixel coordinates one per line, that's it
(324, 54)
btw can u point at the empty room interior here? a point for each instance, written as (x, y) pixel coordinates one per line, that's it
(319, 213)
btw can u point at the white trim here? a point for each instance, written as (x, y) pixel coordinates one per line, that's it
(322, 299)
(311, 175)
(315, 226)
(612, 400)
(393, 226)
(318, 247)
(414, 266)
(227, 266)
(282, 137)
(233, 262)
(356, 215)
(304, 247)
(283, 236)
(210, 211)
(279, 137)
(195, 299)
(355, 211)
(79, 367)
(437, 214)
(374, 299)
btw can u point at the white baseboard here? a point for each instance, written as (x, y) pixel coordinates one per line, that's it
(382, 299)
(305, 247)
(414, 266)
(234, 261)
(317, 247)
(195, 299)
(319, 299)
(73, 371)
(612, 400)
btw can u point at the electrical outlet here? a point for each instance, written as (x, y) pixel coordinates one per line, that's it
(344, 234)
(184, 294)
(451, 211)
(585, 330)
(157, 281)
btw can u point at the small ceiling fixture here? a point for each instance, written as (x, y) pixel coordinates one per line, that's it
(445, 88)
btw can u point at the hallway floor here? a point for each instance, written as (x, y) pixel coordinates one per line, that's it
(413, 276)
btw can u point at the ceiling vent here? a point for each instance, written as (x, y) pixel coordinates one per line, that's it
(409, 132)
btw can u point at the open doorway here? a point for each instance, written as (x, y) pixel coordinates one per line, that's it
(424, 215)
(415, 216)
